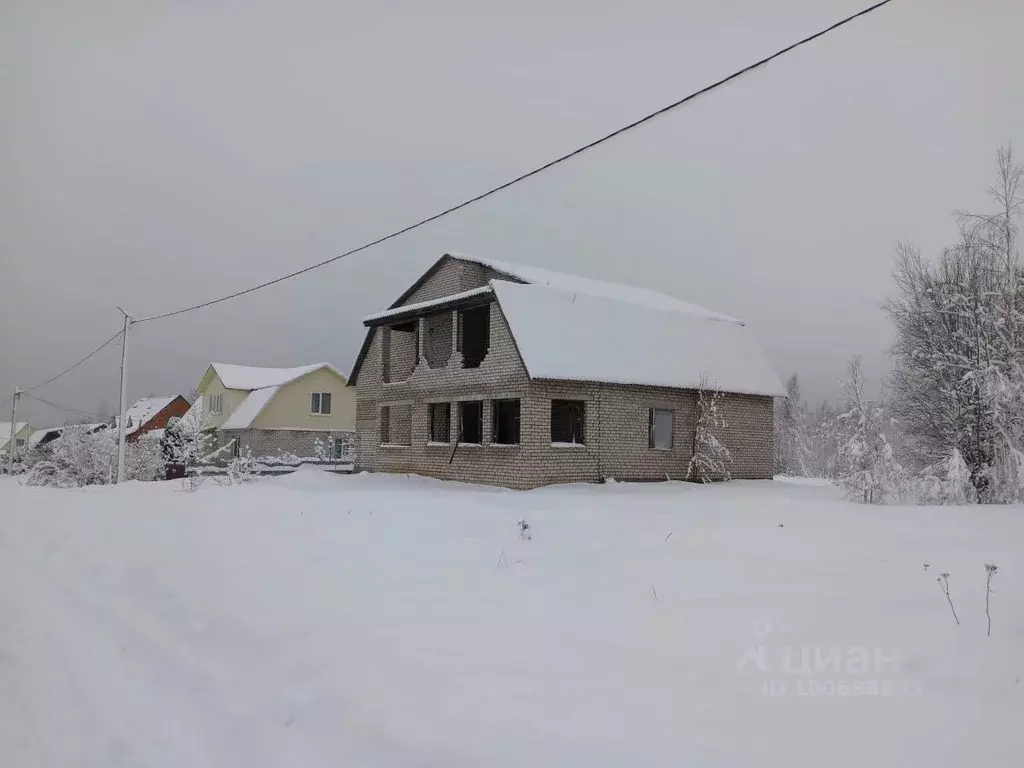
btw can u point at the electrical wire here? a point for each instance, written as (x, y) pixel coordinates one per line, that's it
(65, 408)
(528, 174)
(69, 370)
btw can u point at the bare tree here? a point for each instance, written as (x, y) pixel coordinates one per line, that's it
(958, 353)
(792, 453)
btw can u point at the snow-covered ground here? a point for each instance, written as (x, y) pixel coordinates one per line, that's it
(316, 620)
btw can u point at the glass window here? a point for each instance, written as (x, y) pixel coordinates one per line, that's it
(659, 421)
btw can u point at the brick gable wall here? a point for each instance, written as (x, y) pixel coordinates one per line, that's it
(616, 433)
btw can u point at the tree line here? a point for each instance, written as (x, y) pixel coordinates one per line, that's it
(948, 425)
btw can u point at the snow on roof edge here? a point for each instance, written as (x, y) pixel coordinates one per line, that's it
(630, 294)
(402, 309)
(143, 410)
(626, 345)
(274, 377)
(249, 409)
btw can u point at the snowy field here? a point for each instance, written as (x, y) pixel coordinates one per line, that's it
(315, 620)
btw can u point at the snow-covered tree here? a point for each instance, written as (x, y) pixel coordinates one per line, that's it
(823, 442)
(711, 459)
(84, 456)
(792, 452)
(868, 470)
(947, 482)
(242, 469)
(957, 380)
(187, 440)
(144, 460)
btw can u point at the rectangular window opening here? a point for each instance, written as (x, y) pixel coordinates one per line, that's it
(505, 422)
(439, 415)
(471, 421)
(216, 403)
(385, 424)
(659, 423)
(474, 335)
(341, 447)
(400, 351)
(568, 420)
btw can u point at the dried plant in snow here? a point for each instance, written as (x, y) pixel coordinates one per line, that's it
(990, 572)
(525, 532)
(943, 580)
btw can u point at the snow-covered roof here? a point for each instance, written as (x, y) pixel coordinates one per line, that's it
(247, 411)
(586, 337)
(36, 437)
(580, 329)
(575, 284)
(250, 378)
(5, 431)
(143, 410)
(422, 305)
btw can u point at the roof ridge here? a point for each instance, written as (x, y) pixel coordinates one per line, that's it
(622, 292)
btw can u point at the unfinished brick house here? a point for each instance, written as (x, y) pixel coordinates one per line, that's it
(490, 372)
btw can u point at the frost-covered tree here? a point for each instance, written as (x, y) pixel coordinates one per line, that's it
(144, 460)
(84, 456)
(947, 482)
(242, 469)
(824, 440)
(711, 459)
(868, 470)
(187, 440)
(792, 451)
(958, 379)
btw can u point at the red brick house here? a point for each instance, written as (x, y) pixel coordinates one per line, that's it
(151, 414)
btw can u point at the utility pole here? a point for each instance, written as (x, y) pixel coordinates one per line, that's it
(124, 394)
(14, 431)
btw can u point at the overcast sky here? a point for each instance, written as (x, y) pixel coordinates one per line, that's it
(156, 154)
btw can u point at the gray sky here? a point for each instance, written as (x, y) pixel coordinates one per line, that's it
(155, 154)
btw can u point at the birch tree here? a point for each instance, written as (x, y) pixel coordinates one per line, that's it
(958, 379)
(792, 451)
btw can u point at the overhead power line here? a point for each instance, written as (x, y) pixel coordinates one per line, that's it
(69, 370)
(65, 408)
(528, 174)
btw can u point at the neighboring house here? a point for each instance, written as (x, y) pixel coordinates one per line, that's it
(22, 433)
(149, 416)
(46, 435)
(490, 372)
(277, 410)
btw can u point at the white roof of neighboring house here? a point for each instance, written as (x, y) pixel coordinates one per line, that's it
(5, 431)
(144, 410)
(250, 378)
(585, 285)
(247, 411)
(568, 335)
(39, 434)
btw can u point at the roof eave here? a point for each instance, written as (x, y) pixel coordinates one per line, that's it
(726, 391)
(460, 302)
